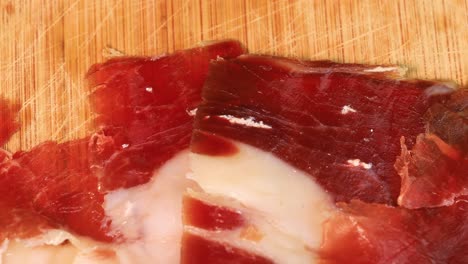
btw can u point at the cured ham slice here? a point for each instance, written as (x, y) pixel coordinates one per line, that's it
(145, 109)
(123, 185)
(17, 220)
(448, 120)
(376, 233)
(279, 141)
(290, 162)
(62, 187)
(338, 125)
(435, 171)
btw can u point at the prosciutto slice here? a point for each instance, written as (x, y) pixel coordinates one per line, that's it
(376, 233)
(99, 187)
(340, 126)
(294, 138)
(145, 108)
(17, 219)
(289, 162)
(58, 184)
(434, 172)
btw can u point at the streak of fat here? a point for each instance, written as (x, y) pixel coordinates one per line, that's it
(148, 215)
(290, 200)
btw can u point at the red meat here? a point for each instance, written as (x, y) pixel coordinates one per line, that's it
(434, 172)
(146, 107)
(343, 125)
(198, 250)
(17, 219)
(340, 123)
(143, 106)
(207, 216)
(64, 189)
(379, 234)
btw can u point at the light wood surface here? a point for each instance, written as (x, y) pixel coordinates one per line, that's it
(46, 46)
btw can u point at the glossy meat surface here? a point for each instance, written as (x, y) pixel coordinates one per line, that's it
(65, 190)
(435, 171)
(379, 234)
(198, 250)
(208, 216)
(391, 152)
(341, 124)
(52, 184)
(145, 109)
(360, 133)
(16, 185)
(143, 106)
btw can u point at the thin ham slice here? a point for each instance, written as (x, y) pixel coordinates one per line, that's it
(290, 162)
(339, 123)
(145, 109)
(434, 172)
(17, 219)
(376, 233)
(63, 188)
(98, 186)
(434, 180)
(280, 141)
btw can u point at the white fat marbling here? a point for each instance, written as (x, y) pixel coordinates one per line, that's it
(149, 216)
(192, 112)
(382, 69)
(290, 203)
(359, 163)
(347, 109)
(55, 247)
(250, 121)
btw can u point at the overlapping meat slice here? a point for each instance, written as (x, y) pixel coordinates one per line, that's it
(286, 139)
(376, 233)
(276, 142)
(123, 184)
(49, 196)
(64, 189)
(341, 127)
(435, 171)
(17, 218)
(212, 229)
(434, 183)
(145, 109)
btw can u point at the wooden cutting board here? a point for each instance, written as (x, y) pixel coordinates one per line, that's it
(46, 46)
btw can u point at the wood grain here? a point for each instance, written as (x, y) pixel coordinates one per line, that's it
(47, 46)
